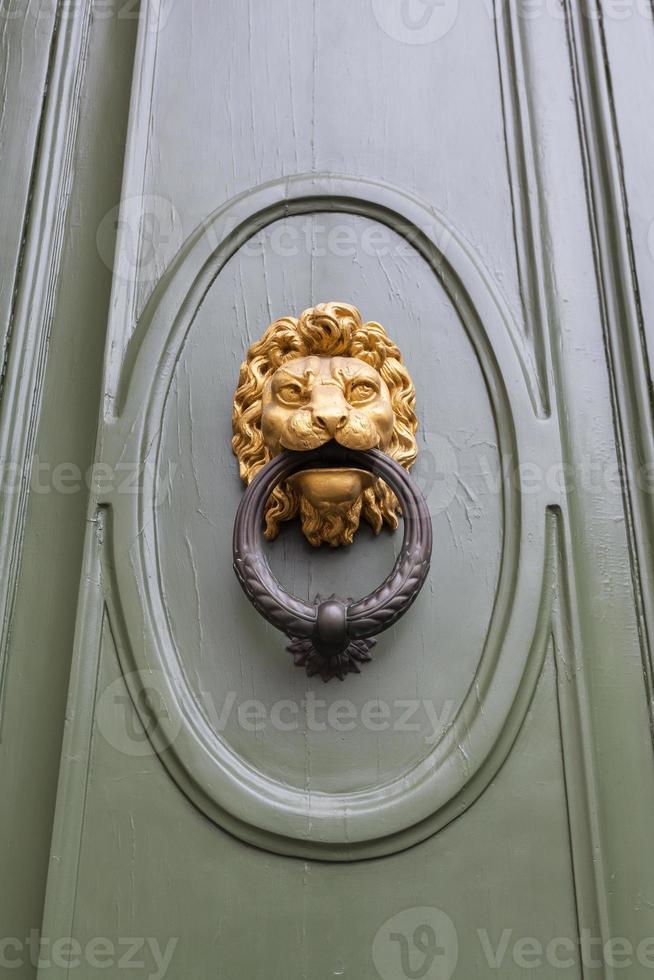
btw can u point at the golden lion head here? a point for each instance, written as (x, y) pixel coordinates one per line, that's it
(326, 375)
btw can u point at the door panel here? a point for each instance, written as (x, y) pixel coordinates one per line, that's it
(276, 160)
(148, 857)
(327, 91)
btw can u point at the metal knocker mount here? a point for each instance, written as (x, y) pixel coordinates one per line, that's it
(324, 429)
(333, 636)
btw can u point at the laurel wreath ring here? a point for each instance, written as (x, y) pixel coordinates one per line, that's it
(327, 635)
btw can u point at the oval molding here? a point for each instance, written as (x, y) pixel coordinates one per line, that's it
(258, 809)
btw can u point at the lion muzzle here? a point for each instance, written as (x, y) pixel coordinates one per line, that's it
(303, 431)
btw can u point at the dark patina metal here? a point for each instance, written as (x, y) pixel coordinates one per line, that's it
(332, 636)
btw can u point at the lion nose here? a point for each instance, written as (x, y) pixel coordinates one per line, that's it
(331, 419)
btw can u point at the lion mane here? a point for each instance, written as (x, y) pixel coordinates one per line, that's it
(330, 329)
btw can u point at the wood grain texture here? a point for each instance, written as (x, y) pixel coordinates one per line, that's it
(548, 736)
(598, 553)
(43, 622)
(34, 292)
(622, 314)
(26, 38)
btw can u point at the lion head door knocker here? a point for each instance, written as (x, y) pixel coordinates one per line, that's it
(324, 429)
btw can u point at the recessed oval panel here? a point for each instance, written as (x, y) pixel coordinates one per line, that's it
(372, 728)
(371, 765)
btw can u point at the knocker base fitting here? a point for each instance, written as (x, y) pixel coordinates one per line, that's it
(330, 653)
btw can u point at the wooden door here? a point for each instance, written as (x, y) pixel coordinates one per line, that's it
(477, 801)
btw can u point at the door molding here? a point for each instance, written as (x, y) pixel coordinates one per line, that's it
(35, 296)
(387, 817)
(620, 307)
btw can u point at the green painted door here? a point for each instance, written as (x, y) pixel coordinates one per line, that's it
(477, 802)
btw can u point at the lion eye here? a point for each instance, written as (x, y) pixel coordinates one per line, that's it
(362, 391)
(291, 394)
